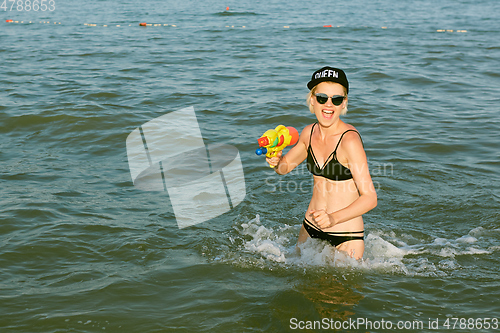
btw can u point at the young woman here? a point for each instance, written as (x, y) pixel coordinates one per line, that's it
(343, 190)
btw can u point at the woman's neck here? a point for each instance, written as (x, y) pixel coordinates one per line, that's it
(333, 129)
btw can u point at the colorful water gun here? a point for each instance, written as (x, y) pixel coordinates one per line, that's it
(275, 140)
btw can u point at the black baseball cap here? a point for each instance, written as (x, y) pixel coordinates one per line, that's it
(329, 74)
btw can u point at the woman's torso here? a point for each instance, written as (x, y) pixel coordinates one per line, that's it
(329, 194)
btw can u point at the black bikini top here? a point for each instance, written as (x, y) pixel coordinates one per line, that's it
(332, 169)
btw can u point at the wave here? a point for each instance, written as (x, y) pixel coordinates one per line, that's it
(269, 247)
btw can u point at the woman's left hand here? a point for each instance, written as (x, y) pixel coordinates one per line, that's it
(322, 218)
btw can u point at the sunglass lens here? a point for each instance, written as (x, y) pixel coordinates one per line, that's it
(337, 100)
(321, 98)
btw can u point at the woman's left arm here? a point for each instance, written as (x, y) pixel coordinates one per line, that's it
(358, 164)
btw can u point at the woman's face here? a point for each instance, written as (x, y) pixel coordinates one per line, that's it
(328, 113)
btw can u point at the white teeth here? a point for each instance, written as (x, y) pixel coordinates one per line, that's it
(328, 112)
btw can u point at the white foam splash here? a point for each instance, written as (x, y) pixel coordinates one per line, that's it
(376, 247)
(384, 251)
(467, 239)
(268, 243)
(280, 246)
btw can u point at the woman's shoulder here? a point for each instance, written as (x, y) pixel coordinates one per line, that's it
(306, 132)
(351, 136)
(349, 127)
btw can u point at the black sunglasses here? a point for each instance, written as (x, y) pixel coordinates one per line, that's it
(323, 98)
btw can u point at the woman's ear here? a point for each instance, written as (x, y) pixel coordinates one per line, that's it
(311, 100)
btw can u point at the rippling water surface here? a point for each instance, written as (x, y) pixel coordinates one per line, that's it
(83, 250)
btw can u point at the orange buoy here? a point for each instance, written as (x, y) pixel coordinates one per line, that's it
(143, 24)
(9, 21)
(227, 8)
(327, 26)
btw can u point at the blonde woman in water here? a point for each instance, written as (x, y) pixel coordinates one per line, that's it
(343, 189)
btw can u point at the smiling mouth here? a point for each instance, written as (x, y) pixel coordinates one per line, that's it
(327, 113)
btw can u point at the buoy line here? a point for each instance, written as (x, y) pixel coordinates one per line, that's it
(31, 22)
(145, 24)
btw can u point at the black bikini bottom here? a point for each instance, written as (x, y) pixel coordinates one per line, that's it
(335, 238)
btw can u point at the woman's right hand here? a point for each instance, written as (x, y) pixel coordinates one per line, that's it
(274, 161)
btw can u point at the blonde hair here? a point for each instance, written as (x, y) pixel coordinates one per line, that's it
(311, 94)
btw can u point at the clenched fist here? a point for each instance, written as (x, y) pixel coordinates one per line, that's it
(322, 219)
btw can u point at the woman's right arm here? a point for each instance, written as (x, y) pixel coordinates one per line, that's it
(296, 155)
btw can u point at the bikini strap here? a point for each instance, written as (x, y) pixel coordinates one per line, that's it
(310, 136)
(345, 232)
(338, 143)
